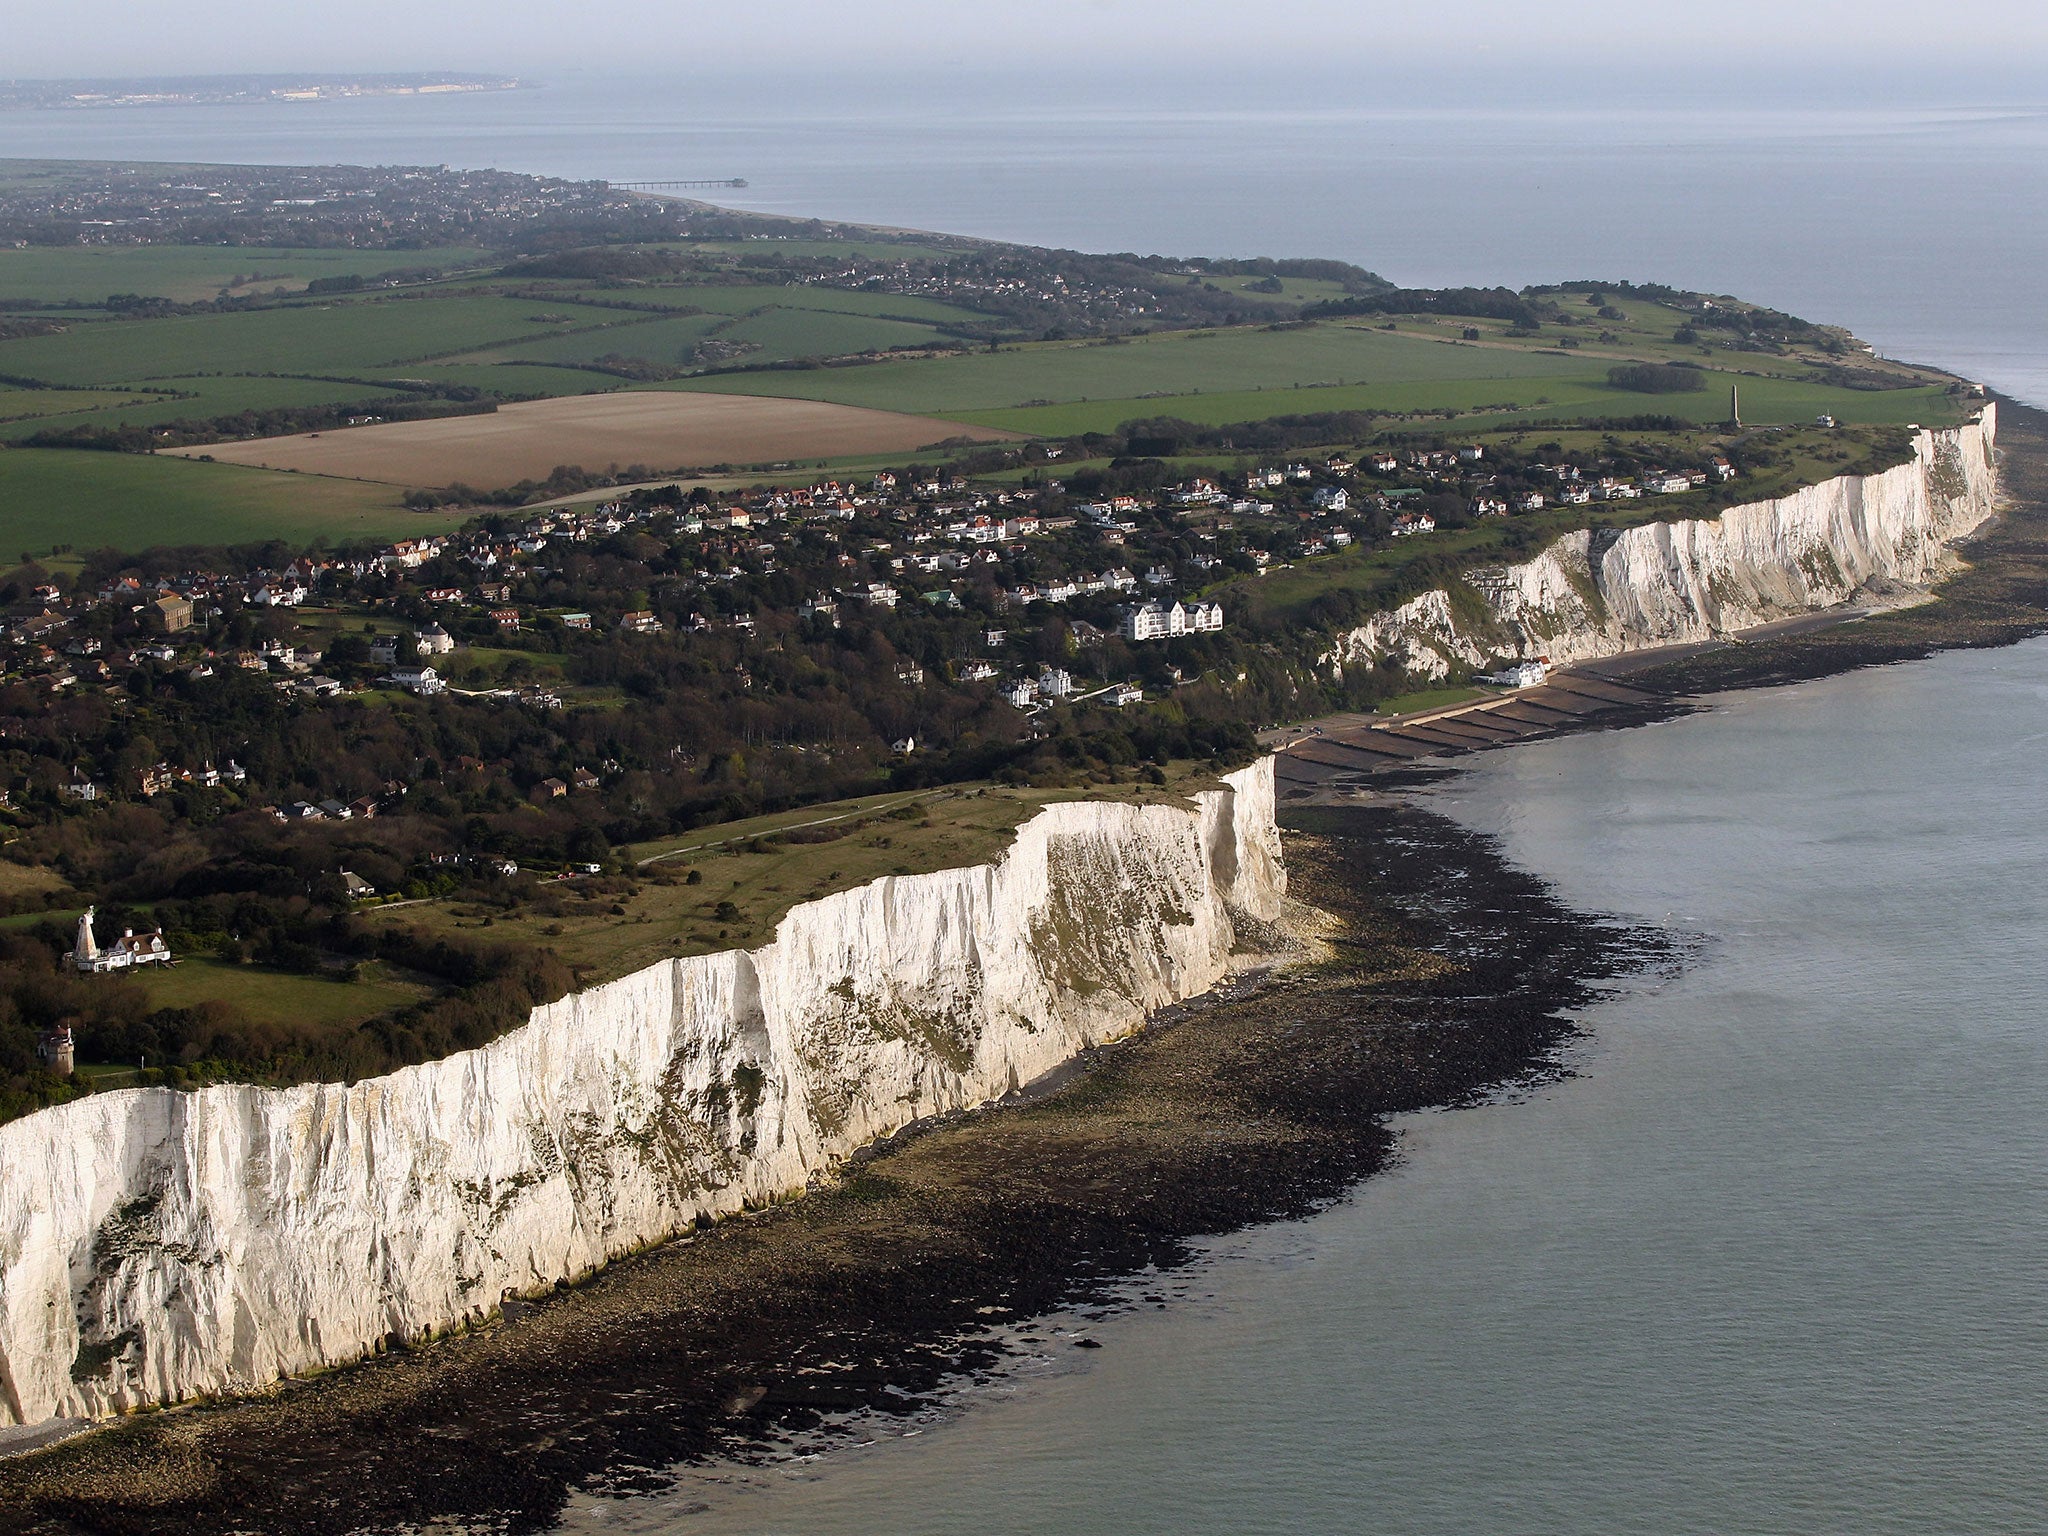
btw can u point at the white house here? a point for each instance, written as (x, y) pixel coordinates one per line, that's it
(1055, 683)
(1523, 674)
(424, 681)
(125, 953)
(1154, 621)
(1158, 621)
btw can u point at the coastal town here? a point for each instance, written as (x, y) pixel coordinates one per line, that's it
(679, 853)
(1038, 595)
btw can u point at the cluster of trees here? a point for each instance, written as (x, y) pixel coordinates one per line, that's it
(407, 403)
(1094, 295)
(1657, 378)
(1166, 436)
(562, 480)
(1481, 303)
(484, 991)
(1352, 278)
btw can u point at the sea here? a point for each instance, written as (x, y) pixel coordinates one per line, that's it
(1774, 1257)
(1771, 1261)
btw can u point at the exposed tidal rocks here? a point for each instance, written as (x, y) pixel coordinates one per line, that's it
(158, 1245)
(1446, 973)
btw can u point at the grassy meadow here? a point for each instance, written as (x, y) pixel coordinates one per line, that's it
(1421, 367)
(516, 337)
(763, 867)
(343, 336)
(1148, 370)
(51, 496)
(263, 993)
(187, 273)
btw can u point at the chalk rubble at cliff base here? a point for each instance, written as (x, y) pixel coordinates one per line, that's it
(158, 1245)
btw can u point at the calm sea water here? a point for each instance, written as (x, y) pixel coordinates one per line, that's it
(1924, 228)
(1773, 1263)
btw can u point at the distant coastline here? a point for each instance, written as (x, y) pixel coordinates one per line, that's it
(217, 90)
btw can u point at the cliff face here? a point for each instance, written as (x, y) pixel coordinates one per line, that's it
(1597, 593)
(155, 1245)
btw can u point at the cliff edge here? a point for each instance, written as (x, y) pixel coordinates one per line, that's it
(158, 1245)
(1598, 592)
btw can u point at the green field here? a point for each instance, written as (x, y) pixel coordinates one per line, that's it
(188, 399)
(73, 274)
(1293, 290)
(516, 379)
(31, 404)
(656, 339)
(1172, 364)
(783, 335)
(1409, 364)
(1489, 403)
(782, 322)
(310, 338)
(131, 501)
(268, 994)
(1427, 698)
(730, 299)
(740, 862)
(1451, 373)
(880, 249)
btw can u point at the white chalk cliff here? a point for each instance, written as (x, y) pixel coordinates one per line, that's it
(157, 1245)
(1595, 593)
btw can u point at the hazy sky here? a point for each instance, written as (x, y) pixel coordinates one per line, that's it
(1650, 37)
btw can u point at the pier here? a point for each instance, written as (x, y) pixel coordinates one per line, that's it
(675, 186)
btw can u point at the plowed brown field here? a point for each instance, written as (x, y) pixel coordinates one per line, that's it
(662, 429)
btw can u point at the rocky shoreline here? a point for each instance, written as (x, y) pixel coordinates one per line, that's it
(1999, 598)
(1445, 974)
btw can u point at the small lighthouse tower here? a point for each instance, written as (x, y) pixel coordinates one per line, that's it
(57, 1052)
(1734, 408)
(85, 954)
